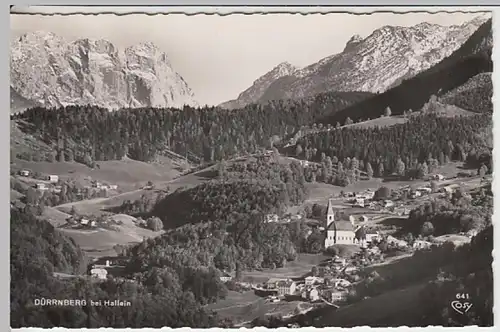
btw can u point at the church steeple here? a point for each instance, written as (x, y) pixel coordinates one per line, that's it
(330, 214)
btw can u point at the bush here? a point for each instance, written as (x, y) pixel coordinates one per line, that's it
(155, 224)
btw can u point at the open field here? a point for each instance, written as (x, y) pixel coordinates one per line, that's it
(127, 174)
(379, 122)
(98, 205)
(246, 306)
(455, 238)
(100, 242)
(298, 268)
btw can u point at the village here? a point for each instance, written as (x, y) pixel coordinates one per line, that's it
(352, 224)
(356, 241)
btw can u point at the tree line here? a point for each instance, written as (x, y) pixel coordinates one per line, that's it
(88, 134)
(411, 148)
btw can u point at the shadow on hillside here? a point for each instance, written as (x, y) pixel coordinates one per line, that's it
(398, 222)
(207, 174)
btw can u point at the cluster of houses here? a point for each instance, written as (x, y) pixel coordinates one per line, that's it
(103, 268)
(274, 218)
(102, 186)
(50, 183)
(321, 287)
(82, 221)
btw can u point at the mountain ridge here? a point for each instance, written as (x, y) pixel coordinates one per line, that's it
(53, 72)
(382, 60)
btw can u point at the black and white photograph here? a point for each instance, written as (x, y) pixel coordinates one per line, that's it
(250, 170)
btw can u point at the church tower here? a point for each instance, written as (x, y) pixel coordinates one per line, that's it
(330, 214)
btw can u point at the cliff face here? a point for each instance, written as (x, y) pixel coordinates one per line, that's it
(52, 72)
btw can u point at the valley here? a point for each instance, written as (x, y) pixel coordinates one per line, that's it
(313, 197)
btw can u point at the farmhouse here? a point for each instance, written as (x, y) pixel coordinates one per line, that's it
(225, 277)
(415, 194)
(272, 283)
(338, 295)
(311, 280)
(311, 294)
(399, 243)
(388, 203)
(99, 273)
(337, 231)
(439, 177)
(272, 218)
(53, 178)
(41, 186)
(24, 172)
(359, 202)
(286, 287)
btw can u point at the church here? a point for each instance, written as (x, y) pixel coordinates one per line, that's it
(338, 231)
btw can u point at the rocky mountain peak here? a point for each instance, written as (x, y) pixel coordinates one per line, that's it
(53, 72)
(353, 42)
(372, 64)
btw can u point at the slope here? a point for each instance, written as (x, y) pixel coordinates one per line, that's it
(476, 94)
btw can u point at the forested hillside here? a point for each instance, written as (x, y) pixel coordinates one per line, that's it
(89, 134)
(411, 144)
(475, 95)
(222, 222)
(38, 250)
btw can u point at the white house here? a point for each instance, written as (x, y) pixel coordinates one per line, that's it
(359, 202)
(388, 203)
(342, 283)
(399, 243)
(286, 287)
(311, 280)
(41, 186)
(84, 221)
(419, 244)
(24, 172)
(311, 294)
(99, 273)
(439, 177)
(53, 178)
(272, 218)
(415, 194)
(338, 295)
(225, 277)
(113, 186)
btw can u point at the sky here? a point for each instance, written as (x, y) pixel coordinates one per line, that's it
(220, 56)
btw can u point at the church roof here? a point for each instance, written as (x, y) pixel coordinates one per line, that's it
(341, 225)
